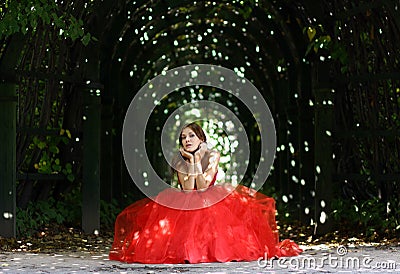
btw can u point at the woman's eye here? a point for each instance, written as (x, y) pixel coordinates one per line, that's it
(191, 135)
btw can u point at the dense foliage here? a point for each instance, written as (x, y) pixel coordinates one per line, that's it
(29, 16)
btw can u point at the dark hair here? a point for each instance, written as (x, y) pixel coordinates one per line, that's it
(196, 129)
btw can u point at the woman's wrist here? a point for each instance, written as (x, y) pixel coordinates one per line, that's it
(195, 169)
(198, 168)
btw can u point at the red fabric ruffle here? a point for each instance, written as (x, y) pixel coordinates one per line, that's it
(228, 225)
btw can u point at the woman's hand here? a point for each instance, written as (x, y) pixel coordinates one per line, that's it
(199, 154)
(187, 154)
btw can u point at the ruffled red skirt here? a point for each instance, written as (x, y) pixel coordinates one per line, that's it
(239, 227)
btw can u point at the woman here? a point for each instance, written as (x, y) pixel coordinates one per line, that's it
(202, 222)
(198, 166)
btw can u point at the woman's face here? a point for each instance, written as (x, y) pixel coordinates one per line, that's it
(190, 140)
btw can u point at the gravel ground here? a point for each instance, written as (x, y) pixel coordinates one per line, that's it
(315, 259)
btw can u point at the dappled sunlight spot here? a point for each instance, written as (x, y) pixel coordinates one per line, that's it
(153, 206)
(7, 215)
(149, 243)
(17, 260)
(155, 228)
(96, 257)
(165, 226)
(322, 217)
(208, 178)
(234, 180)
(126, 244)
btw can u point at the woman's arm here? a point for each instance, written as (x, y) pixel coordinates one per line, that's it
(204, 178)
(187, 179)
(195, 174)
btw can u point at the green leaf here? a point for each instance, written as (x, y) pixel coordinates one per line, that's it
(309, 47)
(54, 149)
(70, 177)
(86, 39)
(41, 145)
(56, 167)
(64, 140)
(46, 18)
(57, 20)
(60, 219)
(68, 166)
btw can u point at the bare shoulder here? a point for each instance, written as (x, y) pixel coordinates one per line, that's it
(214, 153)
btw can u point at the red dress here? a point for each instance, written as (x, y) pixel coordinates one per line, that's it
(239, 225)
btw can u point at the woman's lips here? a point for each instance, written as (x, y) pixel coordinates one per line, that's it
(188, 146)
